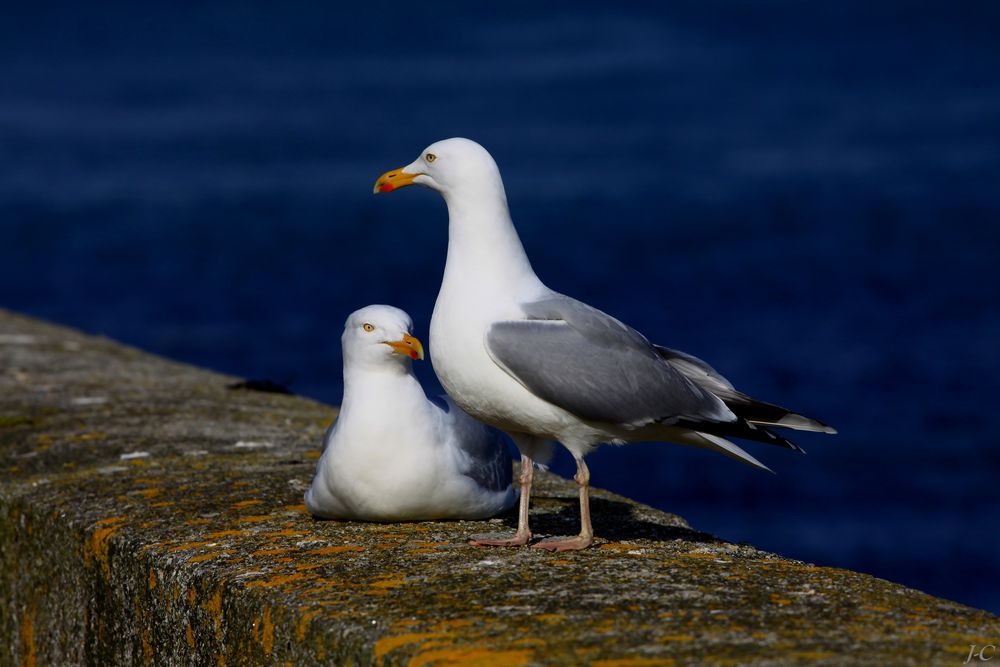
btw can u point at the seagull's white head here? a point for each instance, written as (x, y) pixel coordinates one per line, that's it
(452, 166)
(378, 338)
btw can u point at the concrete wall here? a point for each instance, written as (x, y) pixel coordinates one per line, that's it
(150, 515)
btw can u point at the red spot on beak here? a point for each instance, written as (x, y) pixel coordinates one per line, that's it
(386, 187)
(414, 355)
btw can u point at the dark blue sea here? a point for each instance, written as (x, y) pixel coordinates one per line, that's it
(805, 194)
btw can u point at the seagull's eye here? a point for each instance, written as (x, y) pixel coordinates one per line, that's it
(430, 157)
(368, 327)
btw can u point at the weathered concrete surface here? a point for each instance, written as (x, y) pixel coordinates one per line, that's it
(200, 551)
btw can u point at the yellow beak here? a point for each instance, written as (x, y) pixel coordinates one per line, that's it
(409, 346)
(391, 180)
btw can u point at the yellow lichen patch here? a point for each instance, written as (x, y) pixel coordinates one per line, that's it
(560, 561)
(191, 545)
(163, 503)
(272, 552)
(635, 662)
(777, 599)
(549, 618)
(201, 558)
(429, 544)
(213, 605)
(478, 657)
(98, 544)
(618, 546)
(452, 624)
(152, 579)
(387, 644)
(247, 503)
(294, 508)
(676, 638)
(288, 532)
(27, 632)
(342, 548)
(267, 632)
(189, 634)
(147, 647)
(276, 581)
(312, 456)
(150, 493)
(225, 533)
(137, 462)
(192, 596)
(196, 522)
(380, 586)
(875, 608)
(257, 518)
(309, 566)
(302, 625)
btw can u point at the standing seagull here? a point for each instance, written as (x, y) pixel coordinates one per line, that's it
(393, 455)
(541, 365)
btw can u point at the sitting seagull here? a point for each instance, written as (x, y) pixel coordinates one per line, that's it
(540, 365)
(394, 455)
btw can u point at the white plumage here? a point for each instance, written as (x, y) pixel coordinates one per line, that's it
(394, 455)
(543, 366)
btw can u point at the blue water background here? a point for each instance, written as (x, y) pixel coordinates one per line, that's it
(805, 194)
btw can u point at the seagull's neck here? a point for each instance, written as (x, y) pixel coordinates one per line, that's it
(484, 251)
(378, 386)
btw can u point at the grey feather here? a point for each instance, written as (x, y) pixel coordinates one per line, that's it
(590, 364)
(745, 407)
(487, 452)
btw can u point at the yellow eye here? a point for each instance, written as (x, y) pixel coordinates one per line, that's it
(430, 157)
(368, 327)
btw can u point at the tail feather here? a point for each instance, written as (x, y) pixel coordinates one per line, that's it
(768, 414)
(741, 428)
(723, 446)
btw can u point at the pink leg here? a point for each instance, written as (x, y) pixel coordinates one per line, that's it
(521, 537)
(586, 536)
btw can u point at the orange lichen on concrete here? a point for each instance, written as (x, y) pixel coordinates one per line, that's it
(257, 518)
(147, 647)
(191, 545)
(247, 503)
(150, 492)
(390, 643)
(97, 547)
(381, 586)
(225, 533)
(287, 532)
(152, 579)
(339, 549)
(276, 581)
(201, 558)
(635, 662)
(213, 605)
(302, 625)
(471, 657)
(189, 635)
(272, 552)
(27, 632)
(267, 632)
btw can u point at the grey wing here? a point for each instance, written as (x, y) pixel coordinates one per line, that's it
(487, 458)
(592, 365)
